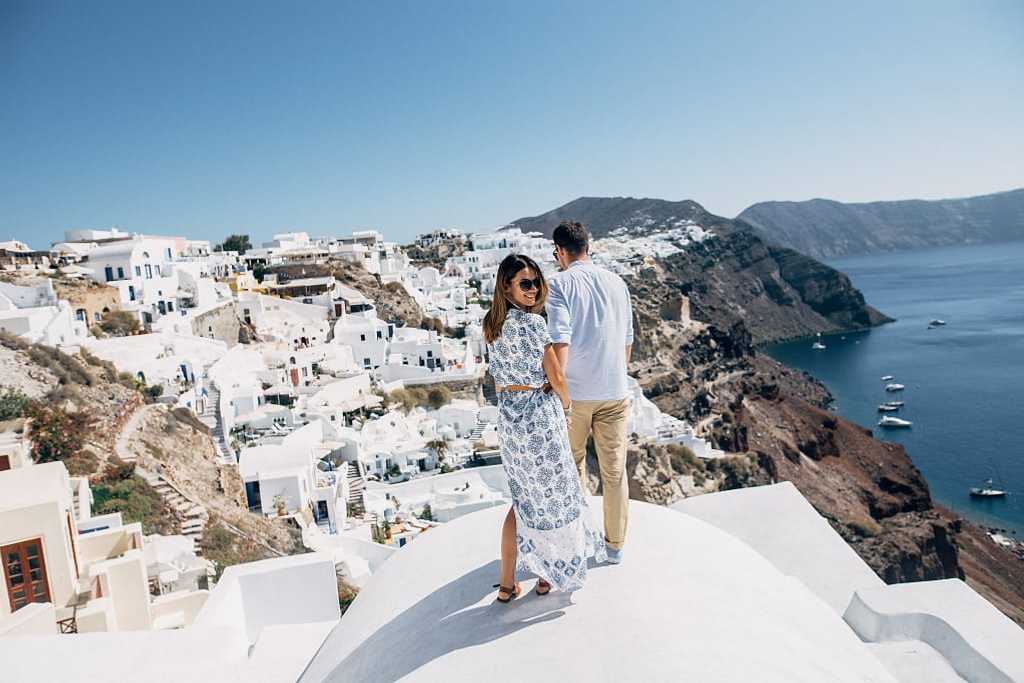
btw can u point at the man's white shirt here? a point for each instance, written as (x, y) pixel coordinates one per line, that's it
(589, 309)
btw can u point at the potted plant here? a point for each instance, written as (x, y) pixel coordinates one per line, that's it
(281, 505)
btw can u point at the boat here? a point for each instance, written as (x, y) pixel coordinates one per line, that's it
(936, 322)
(888, 378)
(888, 421)
(898, 404)
(987, 491)
(887, 408)
(817, 345)
(895, 387)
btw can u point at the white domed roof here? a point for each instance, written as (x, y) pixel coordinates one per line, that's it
(690, 602)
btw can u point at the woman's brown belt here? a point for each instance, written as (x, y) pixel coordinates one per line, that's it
(523, 387)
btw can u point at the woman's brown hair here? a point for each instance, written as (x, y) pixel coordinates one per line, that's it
(510, 266)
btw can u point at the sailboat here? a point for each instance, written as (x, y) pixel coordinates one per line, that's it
(987, 491)
(817, 345)
(888, 421)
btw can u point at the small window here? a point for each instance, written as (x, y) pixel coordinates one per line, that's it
(149, 272)
(138, 271)
(380, 335)
(366, 362)
(120, 273)
(169, 257)
(362, 337)
(430, 354)
(108, 272)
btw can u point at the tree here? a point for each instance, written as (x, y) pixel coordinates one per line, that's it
(440, 447)
(239, 243)
(57, 434)
(427, 513)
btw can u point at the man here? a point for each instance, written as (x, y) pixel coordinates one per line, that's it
(591, 323)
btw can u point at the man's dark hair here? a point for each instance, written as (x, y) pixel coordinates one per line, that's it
(571, 236)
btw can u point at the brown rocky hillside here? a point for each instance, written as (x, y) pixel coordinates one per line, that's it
(709, 372)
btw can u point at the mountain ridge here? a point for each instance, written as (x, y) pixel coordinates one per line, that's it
(826, 228)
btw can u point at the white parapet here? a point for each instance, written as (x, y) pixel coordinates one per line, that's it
(978, 641)
(690, 602)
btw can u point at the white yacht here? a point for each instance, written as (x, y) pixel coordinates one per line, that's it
(888, 378)
(936, 322)
(887, 408)
(888, 421)
(987, 491)
(898, 404)
(817, 345)
(895, 387)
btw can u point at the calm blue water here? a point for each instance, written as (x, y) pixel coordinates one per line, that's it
(965, 381)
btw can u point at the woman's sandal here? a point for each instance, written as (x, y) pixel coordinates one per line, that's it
(512, 592)
(543, 587)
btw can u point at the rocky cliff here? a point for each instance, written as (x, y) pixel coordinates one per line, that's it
(779, 293)
(775, 419)
(827, 229)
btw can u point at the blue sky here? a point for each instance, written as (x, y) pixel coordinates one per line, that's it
(205, 118)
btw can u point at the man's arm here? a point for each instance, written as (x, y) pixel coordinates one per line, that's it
(562, 351)
(559, 320)
(629, 327)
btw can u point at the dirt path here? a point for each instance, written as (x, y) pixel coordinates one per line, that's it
(121, 446)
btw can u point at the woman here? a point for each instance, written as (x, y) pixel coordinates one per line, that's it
(548, 530)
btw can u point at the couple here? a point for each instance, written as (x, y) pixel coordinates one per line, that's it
(558, 381)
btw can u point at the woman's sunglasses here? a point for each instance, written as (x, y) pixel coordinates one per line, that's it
(527, 284)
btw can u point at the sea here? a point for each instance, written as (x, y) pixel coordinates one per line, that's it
(964, 380)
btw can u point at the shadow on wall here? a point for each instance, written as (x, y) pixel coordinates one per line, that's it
(444, 622)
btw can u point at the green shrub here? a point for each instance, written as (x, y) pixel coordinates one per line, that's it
(408, 398)
(737, 471)
(13, 403)
(64, 367)
(12, 341)
(121, 490)
(57, 434)
(866, 528)
(682, 459)
(119, 323)
(439, 396)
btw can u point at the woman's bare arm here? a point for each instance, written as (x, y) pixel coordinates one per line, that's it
(555, 374)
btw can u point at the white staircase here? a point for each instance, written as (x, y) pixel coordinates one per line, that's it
(478, 431)
(356, 484)
(211, 418)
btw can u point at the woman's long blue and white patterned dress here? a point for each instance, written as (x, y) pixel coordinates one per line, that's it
(555, 533)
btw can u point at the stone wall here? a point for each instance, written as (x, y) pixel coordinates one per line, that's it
(219, 323)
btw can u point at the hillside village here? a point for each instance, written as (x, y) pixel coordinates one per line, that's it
(231, 441)
(323, 394)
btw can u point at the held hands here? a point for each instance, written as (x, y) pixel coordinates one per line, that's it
(547, 389)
